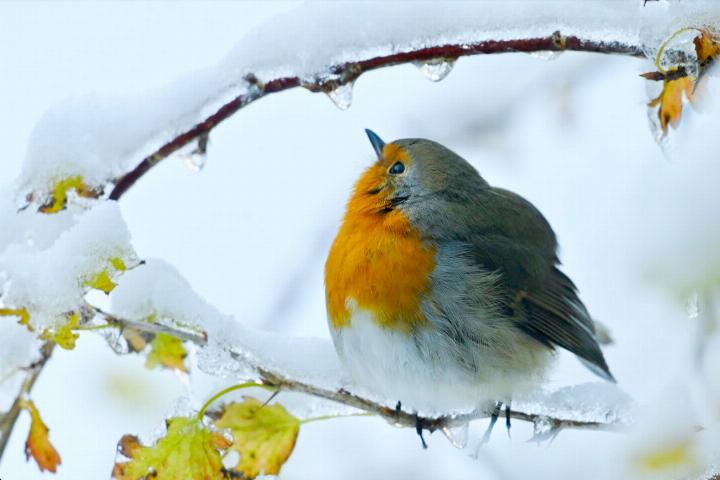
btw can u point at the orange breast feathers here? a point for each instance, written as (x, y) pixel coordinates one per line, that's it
(378, 262)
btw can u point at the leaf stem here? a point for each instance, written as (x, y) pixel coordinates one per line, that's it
(225, 391)
(329, 417)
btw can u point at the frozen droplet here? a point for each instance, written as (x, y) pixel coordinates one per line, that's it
(692, 306)
(457, 435)
(342, 95)
(196, 158)
(543, 429)
(437, 68)
(115, 340)
(195, 161)
(215, 359)
(679, 51)
(546, 54)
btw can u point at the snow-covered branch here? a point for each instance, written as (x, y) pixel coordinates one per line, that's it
(331, 385)
(435, 61)
(322, 48)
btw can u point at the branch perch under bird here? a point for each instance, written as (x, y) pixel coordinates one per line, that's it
(279, 380)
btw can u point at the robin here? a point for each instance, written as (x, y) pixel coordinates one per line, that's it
(444, 292)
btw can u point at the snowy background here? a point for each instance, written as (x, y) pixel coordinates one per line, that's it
(638, 229)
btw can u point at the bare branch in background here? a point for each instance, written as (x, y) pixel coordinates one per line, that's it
(349, 72)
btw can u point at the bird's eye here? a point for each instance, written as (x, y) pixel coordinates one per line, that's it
(397, 168)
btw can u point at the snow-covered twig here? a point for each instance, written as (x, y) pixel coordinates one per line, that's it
(7, 420)
(280, 380)
(346, 73)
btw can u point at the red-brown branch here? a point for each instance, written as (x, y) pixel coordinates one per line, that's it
(348, 72)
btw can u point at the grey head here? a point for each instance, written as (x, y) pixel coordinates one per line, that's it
(420, 170)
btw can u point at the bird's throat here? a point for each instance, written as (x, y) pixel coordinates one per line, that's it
(378, 263)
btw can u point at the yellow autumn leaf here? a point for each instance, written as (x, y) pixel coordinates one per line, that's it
(21, 313)
(188, 451)
(670, 100)
(167, 351)
(60, 191)
(264, 435)
(38, 443)
(706, 47)
(118, 264)
(65, 335)
(135, 338)
(103, 280)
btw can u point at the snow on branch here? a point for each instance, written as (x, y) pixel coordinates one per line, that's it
(323, 48)
(332, 81)
(309, 365)
(612, 417)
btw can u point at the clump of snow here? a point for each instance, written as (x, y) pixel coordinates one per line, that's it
(101, 137)
(50, 282)
(19, 347)
(26, 227)
(156, 289)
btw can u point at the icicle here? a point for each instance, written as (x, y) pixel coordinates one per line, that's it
(437, 68)
(544, 429)
(457, 435)
(342, 95)
(116, 340)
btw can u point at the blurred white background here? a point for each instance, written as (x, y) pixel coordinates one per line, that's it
(251, 231)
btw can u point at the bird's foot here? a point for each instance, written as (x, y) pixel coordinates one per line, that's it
(508, 410)
(493, 419)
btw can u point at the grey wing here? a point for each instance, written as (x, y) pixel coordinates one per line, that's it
(555, 315)
(514, 240)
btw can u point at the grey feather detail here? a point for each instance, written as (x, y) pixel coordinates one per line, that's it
(556, 316)
(466, 309)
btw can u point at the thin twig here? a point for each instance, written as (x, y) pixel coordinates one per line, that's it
(403, 418)
(337, 75)
(7, 421)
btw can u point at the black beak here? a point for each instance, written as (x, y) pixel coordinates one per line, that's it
(376, 142)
